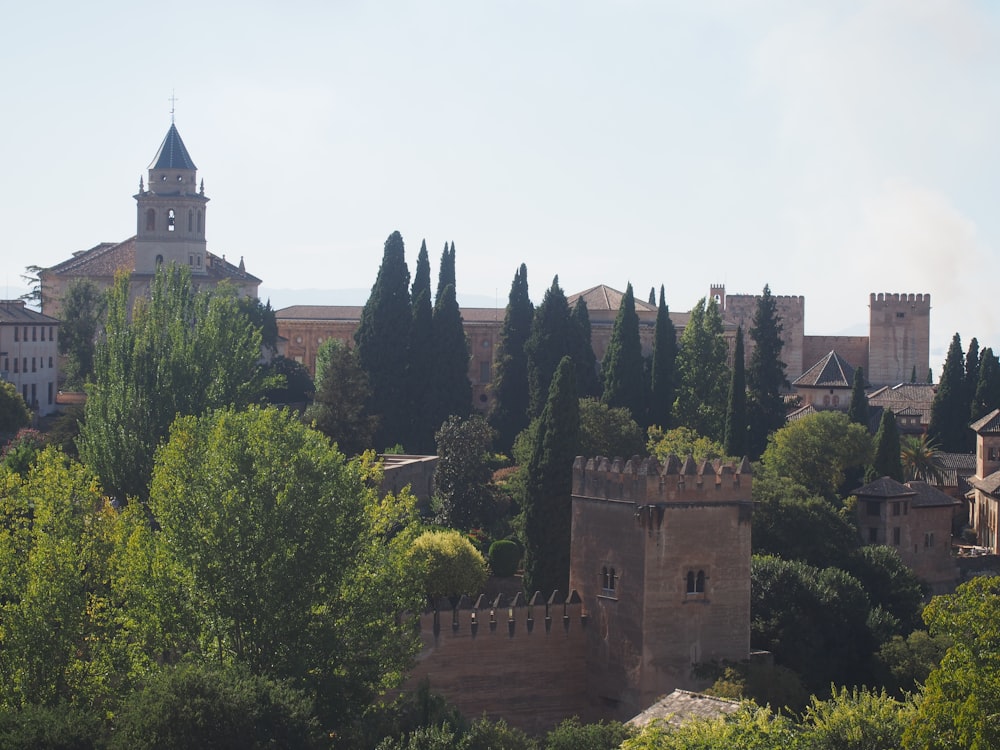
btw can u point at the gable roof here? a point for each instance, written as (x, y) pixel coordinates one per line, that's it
(172, 154)
(988, 425)
(603, 297)
(15, 311)
(930, 497)
(830, 372)
(884, 487)
(682, 705)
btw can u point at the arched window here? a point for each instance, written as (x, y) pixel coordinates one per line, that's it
(159, 260)
(612, 580)
(690, 582)
(699, 583)
(170, 219)
(190, 221)
(604, 578)
(150, 220)
(199, 222)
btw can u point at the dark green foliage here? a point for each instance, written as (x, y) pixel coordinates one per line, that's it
(58, 727)
(950, 410)
(905, 663)
(886, 460)
(971, 380)
(194, 705)
(735, 440)
(889, 584)
(572, 735)
(662, 375)
(652, 294)
(296, 385)
(766, 374)
(340, 405)
(446, 271)
(421, 360)
(702, 373)
(622, 369)
(549, 481)
(81, 315)
(19, 454)
(509, 413)
(582, 352)
(14, 412)
(987, 395)
(930, 376)
(548, 342)
(383, 345)
(808, 529)
(463, 479)
(857, 412)
(451, 391)
(608, 432)
(505, 556)
(32, 278)
(913, 375)
(261, 317)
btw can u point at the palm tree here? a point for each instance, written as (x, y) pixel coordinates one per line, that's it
(921, 459)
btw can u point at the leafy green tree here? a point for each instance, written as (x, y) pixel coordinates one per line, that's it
(807, 529)
(889, 583)
(548, 342)
(572, 735)
(421, 359)
(383, 344)
(14, 412)
(262, 317)
(549, 485)
(856, 719)
(905, 663)
(340, 405)
(920, 459)
(681, 442)
(60, 727)
(448, 564)
(816, 451)
(582, 351)
(987, 395)
(950, 410)
(766, 375)
(662, 375)
(292, 564)
(451, 392)
(886, 454)
(178, 352)
(622, 369)
(605, 431)
(82, 312)
(463, 478)
(509, 413)
(702, 373)
(961, 699)
(296, 387)
(750, 727)
(857, 412)
(736, 414)
(20, 452)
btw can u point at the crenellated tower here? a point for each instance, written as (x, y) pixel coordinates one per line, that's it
(171, 211)
(898, 338)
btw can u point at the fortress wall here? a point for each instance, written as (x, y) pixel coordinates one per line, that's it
(852, 348)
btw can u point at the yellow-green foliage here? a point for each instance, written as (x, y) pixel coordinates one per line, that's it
(450, 564)
(682, 441)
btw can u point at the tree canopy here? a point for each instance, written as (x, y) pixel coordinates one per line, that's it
(622, 369)
(766, 374)
(950, 410)
(509, 413)
(340, 404)
(662, 375)
(702, 373)
(735, 437)
(548, 342)
(82, 313)
(886, 460)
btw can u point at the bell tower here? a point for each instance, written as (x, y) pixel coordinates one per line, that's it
(171, 211)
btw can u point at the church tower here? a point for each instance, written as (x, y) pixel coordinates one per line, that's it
(171, 211)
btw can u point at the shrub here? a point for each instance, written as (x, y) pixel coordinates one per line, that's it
(504, 557)
(450, 564)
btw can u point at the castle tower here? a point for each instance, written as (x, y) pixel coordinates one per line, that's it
(171, 211)
(717, 292)
(898, 338)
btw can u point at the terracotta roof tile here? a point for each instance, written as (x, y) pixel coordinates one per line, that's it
(930, 497)
(831, 371)
(884, 487)
(988, 425)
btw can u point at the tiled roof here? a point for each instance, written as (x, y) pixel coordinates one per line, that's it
(930, 497)
(319, 312)
(218, 268)
(681, 706)
(172, 153)
(803, 411)
(884, 487)
(958, 461)
(603, 297)
(830, 372)
(988, 484)
(988, 425)
(908, 398)
(14, 311)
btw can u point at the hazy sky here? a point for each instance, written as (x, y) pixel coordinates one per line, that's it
(830, 149)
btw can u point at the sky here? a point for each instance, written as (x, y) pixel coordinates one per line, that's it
(827, 149)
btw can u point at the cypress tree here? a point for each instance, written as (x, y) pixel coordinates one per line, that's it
(548, 343)
(950, 408)
(509, 413)
(913, 375)
(736, 414)
(702, 373)
(971, 381)
(382, 339)
(662, 370)
(549, 485)
(886, 461)
(858, 410)
(622, 369)
(930, 376)
(582, 351)
(452, 392)
(987, 397)
(766, 375)
(652, 295)
(422, 372)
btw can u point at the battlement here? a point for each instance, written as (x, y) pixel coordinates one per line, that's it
(887, 297)
(645, 480)
(503, 615)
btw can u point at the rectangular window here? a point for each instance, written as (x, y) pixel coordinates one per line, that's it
(34, 333)
(52, 333)
(17, 333)
(872, 535)
(873, 508)
(929, 539)
(895, 536)
(50, 362)
(34, 396)
(33, 365)
(50, 393)
(484, 372)
(896, 509)
(6, 363)
(15, 365)
(24, 365)
(900, 315)
(26, 333)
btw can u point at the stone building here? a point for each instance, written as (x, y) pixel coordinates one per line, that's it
(171, 227)
(29, 354)
(985, 509)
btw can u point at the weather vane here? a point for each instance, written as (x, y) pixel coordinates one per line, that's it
(173, 101)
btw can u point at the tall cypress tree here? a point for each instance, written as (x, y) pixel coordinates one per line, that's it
(736, 415)
(582, 352)
(987, 396)
(622, 369)
(422, 372)
(858, 410)
(382, 339)
(652, 295)
(661, 396)
(548, 343)
(702, 373)
(509, 413)
(970, 382)
(886, 461)
(549, 486)
(766, 375)
(950, 409)
(452, 393)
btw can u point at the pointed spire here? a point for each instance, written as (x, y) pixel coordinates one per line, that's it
(201, 191)
(141, 186)
(172, 154)
(243, 268)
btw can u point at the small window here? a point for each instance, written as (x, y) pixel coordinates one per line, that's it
(929, 539)
(900, 315)
(699, 582)
(6, 363)
(15, 365)
(17, 333)
(690, 582)
(873, 508)
(50, 363)
(33, 369)
(199, 222)
(52, 333)
(34, 333)
(872, 535)
(895, 535)
(897, 508)
(24, 365)
(190, 221)
(609, 581)
(150, 220)
(197, 260)
(50, 393)
(26, 333)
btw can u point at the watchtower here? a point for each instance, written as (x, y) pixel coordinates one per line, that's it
(898, 338)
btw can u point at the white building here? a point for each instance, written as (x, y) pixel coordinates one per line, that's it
(29, 354)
